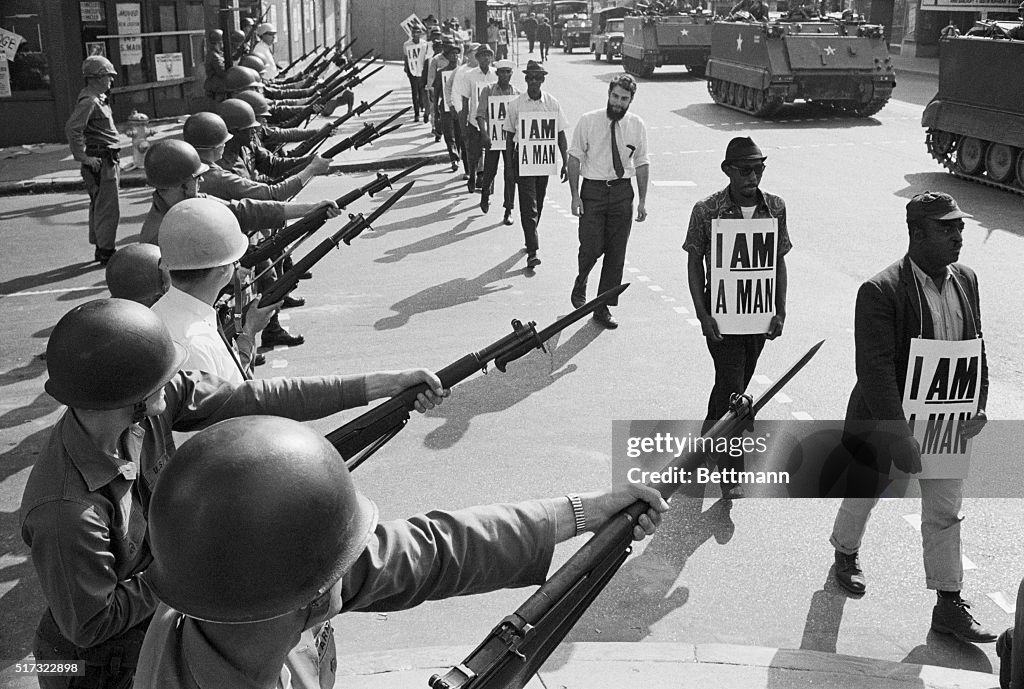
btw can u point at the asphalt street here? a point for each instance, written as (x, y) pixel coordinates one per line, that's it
(437, 279)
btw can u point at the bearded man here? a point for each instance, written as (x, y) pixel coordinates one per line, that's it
(609, 146)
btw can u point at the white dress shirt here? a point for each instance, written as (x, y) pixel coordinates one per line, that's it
(592, 145)
(193, 325)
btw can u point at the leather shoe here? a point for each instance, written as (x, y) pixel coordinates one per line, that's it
(849, 575)
(508, 217)
(532, 261)
(577, 299)
(604, 317)
(953, 616)
(485, 203)
(290, 302)
(103, 255)
(275, 338)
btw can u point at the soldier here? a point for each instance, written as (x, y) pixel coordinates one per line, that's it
(735, 356)
(503, 87)
(532, 189)
(266, 34)
(93, 140)
(245, 155)
(83, 513)
(274, 137)
(1017, 32)
(135, 273)
(305, 545)
(609, 148)
(200, 241)
(215, 86)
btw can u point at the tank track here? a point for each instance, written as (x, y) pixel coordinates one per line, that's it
(763, 104)
(943, 153)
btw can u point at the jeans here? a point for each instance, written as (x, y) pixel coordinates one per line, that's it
(604, 230)
(940, 530)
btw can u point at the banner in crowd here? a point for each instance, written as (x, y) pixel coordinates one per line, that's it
(743, 274)
(538, 144)
(497, 110)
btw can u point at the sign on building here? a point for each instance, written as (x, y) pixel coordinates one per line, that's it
(169, 66)
(129, 21)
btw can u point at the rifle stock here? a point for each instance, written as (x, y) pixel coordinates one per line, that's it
(518, 646)
(358, 439)
(357, 223)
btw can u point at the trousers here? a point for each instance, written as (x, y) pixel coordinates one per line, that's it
(474, 148)
(491, 158)
(104, 206)
(416, 85)
(604, 231)
(531, 204)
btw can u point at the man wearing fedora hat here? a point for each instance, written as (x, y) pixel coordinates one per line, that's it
(465, 92)
(925, 295)
(502, 88)
(532, 189)
(735, 356)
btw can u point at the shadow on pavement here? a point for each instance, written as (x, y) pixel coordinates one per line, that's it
(793, 116)
(456, 234)
(451, 293)
(22, 601)
(33, 369)
(993, 209)
(28, 282)
(824, 617)
(499, 391)
(946, 651)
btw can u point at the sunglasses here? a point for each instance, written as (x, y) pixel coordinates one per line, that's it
(747, 169)
(535, 77)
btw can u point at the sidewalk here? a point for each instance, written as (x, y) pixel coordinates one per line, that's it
(48, 168)
(921, 66)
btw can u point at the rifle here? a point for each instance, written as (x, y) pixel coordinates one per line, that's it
(519, 645)
(313, 221)
(294, 62)
(368, 133)
(356, 224)
(314, 143)
(364, 435)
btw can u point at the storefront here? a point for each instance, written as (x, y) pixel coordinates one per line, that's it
(157, 46)
(925, 19)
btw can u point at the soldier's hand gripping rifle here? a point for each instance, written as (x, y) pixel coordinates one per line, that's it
(368, 133)
(271, 247)
(355, 226)
(314, 143)
(519, 645)
(364, 435)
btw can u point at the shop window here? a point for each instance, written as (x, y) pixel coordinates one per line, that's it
(30, 70)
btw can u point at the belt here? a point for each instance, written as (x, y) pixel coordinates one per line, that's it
(610, 182)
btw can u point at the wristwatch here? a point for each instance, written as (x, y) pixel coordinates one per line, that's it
(578, 515)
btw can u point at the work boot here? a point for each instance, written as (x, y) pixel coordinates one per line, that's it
(103, 255)
(849, 575)
(275, 335)
(1004, 648)
(951, 615)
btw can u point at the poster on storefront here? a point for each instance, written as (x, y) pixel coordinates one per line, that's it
(129, 21)
(169, 66)
(96, 48)
(941, 394)
(743, 263)
(5, 80)
(497, 111)
(538, 143)
(409, 22)
(92, 12)
(9, 42)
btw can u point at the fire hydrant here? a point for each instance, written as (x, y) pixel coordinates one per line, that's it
(140, 132)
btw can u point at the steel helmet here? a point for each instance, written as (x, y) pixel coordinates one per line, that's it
(97, 66)
(256, 517)
(265, 28)
(215, 36)
(171, 163)
(237, 114)
(200, 233)
(240, 78)
(252, 62)
(205, 130)
(135, 273)
(237, 36)
(110, 354)
(257, 101)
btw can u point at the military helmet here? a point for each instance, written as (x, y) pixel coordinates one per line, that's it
(171, 163)
(237, 114)
(256, 517)
(252, 62)
(134, 273)
(109, 354)
(239, 78)
(200, 233)
(237, 36)
(215, 36)
(205, 130)
(260, 105)
(97, 66)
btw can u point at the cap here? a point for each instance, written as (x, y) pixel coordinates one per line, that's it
(471, 48)
(504, 64)
(484, 48)
(935, 205)
(743, 148)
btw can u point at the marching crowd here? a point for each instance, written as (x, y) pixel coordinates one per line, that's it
(221, 563)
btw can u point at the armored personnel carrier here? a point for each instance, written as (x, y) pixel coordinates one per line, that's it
(975, 123)
(652, 41)
(757, 67)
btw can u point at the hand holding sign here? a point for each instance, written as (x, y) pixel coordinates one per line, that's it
(775, 327)
(973, 426)
(906, 455)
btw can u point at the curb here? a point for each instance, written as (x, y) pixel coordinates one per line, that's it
(593, 665)
(137, 180)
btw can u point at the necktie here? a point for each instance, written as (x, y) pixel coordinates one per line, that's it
(616, 158)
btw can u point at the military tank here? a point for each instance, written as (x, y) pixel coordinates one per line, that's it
(757, 67)
(651, 41)
(975, 123)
